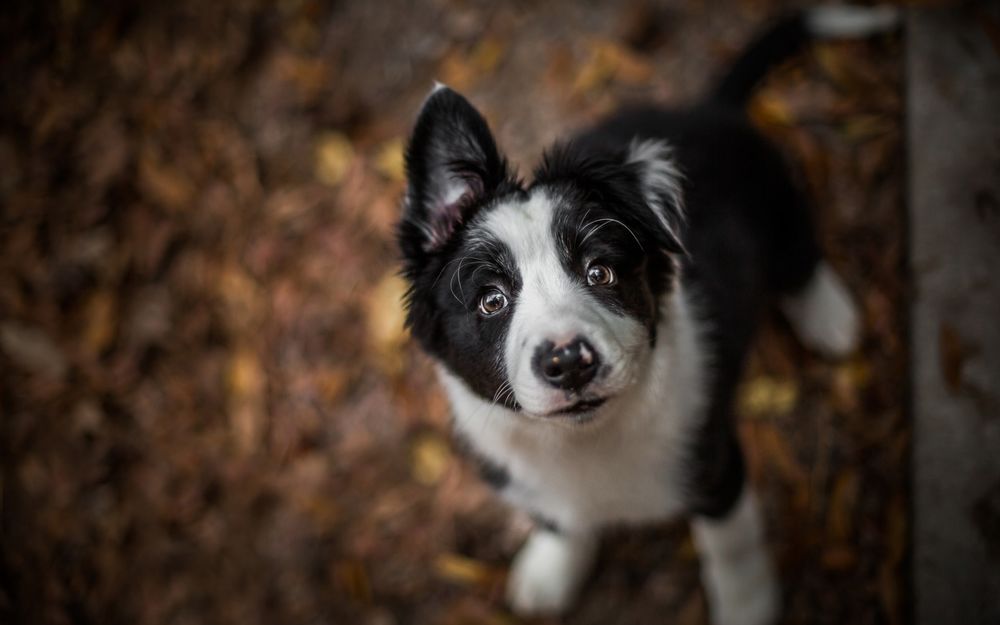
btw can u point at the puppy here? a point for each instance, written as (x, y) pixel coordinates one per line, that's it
(589, 328)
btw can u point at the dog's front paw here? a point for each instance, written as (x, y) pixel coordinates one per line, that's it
(753, 601)
(547, 573)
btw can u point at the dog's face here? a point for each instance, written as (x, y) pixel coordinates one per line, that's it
(542, 298)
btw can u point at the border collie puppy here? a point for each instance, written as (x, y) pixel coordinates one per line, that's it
(590, 327)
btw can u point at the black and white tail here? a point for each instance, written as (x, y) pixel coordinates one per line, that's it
(790, 34)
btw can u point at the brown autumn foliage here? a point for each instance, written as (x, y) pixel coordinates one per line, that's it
(211, 412)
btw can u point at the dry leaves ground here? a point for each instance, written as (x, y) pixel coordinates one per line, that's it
(210, 412)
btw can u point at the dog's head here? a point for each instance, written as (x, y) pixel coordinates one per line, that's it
(545, 297)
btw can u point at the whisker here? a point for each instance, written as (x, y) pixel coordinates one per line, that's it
(600, 223)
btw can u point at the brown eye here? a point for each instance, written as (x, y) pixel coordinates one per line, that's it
(600, 275)
(493, 302)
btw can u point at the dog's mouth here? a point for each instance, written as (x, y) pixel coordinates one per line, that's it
(581, 407)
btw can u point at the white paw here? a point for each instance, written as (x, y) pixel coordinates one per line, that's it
(736, 568)
(547, 573)
(750, 597)
(824, 315)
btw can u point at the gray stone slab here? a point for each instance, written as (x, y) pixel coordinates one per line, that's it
(953, 82)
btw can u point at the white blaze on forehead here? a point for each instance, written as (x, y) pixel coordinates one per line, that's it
(555, 305)
(526, 229)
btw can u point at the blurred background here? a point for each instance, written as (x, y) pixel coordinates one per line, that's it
(211, 412)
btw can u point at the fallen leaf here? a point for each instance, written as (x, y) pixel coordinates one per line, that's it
(768, 396)
(430, 457)
(32, 350)
(836, 63)
(100, 322)
(849, 379)
(867, 126)
(352, 577)
(464, 571)
(609, 61)
(389, 160)
(768, 109)
(461, 69)
(163, 182)
(386, 321)
(334, 155)
(245, 382)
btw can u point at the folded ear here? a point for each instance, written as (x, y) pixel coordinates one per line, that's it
(662, 186)
(451, 162)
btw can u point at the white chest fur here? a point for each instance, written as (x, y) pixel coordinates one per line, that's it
(626, 466)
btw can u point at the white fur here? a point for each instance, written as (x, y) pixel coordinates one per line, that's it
(660, 177)
(625, 464)
(824, 315)
(548, 571)
(842, 21)
(553, 306)
(736, 568)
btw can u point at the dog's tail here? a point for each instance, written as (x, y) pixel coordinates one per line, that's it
(790, 34)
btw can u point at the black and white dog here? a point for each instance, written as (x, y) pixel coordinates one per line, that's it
(590, 327)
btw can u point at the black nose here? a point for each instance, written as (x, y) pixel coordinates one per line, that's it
(569, 366)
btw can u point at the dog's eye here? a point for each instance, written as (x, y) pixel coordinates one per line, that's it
(600, 275)
(492, 302)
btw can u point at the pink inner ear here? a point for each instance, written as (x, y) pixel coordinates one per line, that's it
(446, 219)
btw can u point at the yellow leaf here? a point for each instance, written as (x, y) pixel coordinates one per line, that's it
(849, 380)
(334, 155)
(834, 61)
(769, 110)
(430, 458)
(389, 160)
(463, 570)
(100, 322)
(353, 579)
(866, 126)
(461, 69)
(607, 61)
(487, 54)
(386, 321)
(245, 382)
(768, 396)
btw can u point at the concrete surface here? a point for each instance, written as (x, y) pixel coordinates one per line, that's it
(953, 78)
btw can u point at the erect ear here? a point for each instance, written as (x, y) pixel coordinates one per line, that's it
(451, 161)
(662, 186)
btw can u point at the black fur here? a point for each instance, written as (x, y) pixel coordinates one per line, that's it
(783, 39)
(452, 144)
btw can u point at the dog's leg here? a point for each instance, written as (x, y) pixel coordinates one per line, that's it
(548, 571)
(823, 314)
(736, 568)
